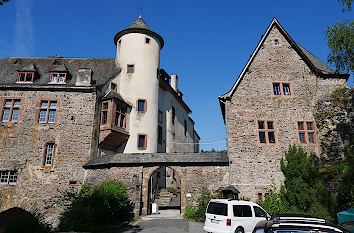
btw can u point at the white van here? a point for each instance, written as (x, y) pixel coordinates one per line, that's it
(233, 216)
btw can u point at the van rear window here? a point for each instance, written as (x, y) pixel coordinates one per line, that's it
(242, 211)
(217, 208)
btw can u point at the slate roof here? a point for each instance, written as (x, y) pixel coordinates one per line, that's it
(114, 95)
(139, 26)
(140, 23)
(103, 69)
(163, 159)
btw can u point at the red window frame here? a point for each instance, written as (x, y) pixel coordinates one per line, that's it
(25, 79)
(51, 74)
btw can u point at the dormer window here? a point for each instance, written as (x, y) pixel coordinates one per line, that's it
(26, 77)
(57, 78)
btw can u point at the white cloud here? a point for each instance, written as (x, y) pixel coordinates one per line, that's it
(23, 29)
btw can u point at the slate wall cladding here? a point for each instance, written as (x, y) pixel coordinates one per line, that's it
(253, 165)
(37, 185)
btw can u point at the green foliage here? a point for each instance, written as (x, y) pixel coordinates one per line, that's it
(2, 2)
(93, 210)
(347, 4)
(340, 41)
(197, 213)
(303, 191)
(272, 202)
(26, 224)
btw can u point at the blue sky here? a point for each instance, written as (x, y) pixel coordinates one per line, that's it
(207, 43)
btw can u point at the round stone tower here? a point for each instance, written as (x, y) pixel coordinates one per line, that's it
(138, 54)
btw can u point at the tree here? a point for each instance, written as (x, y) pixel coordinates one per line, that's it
(303, 190)
(341, 43)
(2, 2)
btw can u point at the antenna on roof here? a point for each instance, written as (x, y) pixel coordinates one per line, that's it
(141, 9)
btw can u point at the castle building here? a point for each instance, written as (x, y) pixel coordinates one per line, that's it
(58, 113)
(271, 106)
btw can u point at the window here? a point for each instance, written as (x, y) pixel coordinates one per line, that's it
(276, 41)
(281, 89)
(113, 87)
(306, 135)
(147, 40)
(242, 211)
(104, 115)
(11, 110)
(173, 115)
(217, 208)
(185, 128)
(49, 154)
(130, 68)
(8, 177)
(160, 117)
(57, 78)
(141, 105)
(121, 113)
(141, 141)
(25, 77)
(266, 132)
(259, 212)
(260, 196)
(159, 138)
(48, 111)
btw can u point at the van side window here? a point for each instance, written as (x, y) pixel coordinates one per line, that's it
(217, 208)
(242, 211)
(259, 212)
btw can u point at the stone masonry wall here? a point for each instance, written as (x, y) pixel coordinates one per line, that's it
(23, 147)
(137, 178)
(255, 164)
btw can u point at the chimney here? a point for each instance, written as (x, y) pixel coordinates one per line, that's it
(174, 81)
(83, 77)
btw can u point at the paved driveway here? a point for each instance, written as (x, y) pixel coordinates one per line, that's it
(168, 221)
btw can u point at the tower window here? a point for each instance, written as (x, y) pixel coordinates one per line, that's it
(276, 41)
(130, 68)
(119, 42)
(173, 115)
(113, 87)
(142, 141)
(141, 103)
(147, 40)
(185, 128)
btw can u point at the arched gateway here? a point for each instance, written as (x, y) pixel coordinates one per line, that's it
(179, 176)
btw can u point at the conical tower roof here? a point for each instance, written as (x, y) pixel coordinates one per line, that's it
(139, 26)
(140, 23)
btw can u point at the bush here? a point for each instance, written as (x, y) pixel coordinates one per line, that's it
(303, 191)
(26, 224)
(197, 213)
(92, 210)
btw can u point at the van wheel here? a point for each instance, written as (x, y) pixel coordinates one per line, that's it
(239, 230)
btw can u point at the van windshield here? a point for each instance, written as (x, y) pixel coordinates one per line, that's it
(217, 208)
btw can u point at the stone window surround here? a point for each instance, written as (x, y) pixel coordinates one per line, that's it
(38, 110)
(281, 89)
(306, 131)
(57, 73)
(26, 73)
(145, 141)
(137, 105)
(45, 154)
(266, 130)
(3, 99)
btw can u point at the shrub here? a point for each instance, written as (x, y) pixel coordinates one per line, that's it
(92, 210)
(197, 213)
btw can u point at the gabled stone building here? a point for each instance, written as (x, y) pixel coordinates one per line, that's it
(271, 106)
